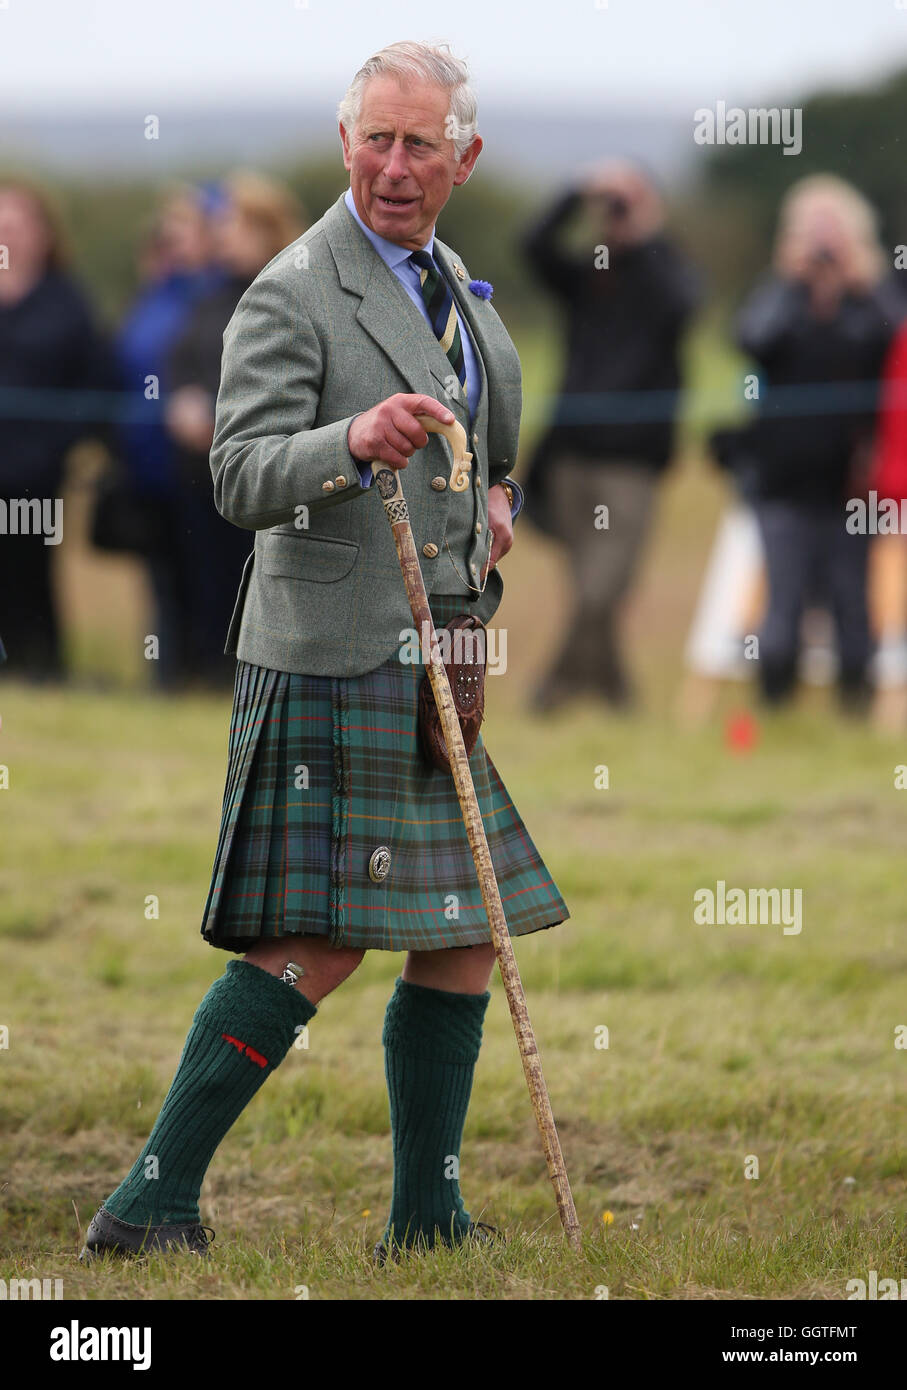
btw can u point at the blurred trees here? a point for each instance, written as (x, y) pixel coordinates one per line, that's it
(858, 135)
(725, 215)
(107, 222)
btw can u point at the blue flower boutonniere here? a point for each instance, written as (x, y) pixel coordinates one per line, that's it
(481, 288)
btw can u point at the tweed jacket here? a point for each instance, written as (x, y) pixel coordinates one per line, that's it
(324, 332)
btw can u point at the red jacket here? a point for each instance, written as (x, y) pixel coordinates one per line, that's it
(890, 471)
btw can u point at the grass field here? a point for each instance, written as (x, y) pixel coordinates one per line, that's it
(725, 1042)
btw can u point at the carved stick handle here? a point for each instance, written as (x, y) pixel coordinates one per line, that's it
(455, 435)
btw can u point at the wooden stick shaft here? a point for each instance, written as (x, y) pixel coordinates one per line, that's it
(395, 506)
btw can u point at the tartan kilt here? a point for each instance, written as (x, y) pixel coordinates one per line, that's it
(323, 771)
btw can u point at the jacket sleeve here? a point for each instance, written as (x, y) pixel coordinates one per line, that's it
(769, 316)
(556, 269)
(266, 457)
(184, 359)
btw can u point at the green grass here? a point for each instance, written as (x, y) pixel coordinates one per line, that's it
(724, 1041)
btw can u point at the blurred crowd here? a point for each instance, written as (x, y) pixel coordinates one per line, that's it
(201, 250)
(823, 331)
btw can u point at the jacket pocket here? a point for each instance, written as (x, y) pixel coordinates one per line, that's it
(318, 559)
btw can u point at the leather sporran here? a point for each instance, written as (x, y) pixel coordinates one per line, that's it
(465, 646)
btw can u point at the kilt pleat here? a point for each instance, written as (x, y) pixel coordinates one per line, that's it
(339, 797)
(276, 810)
(321, 773)
(252, 690)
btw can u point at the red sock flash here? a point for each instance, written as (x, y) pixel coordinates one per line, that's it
(250, 1052)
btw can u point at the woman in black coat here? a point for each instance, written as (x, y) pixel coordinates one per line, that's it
(49, 343)
(818, 329)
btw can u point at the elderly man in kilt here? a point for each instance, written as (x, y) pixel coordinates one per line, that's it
(337, 835)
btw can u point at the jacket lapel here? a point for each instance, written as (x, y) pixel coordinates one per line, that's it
(390, 318)
(386, 312)
(500, 404)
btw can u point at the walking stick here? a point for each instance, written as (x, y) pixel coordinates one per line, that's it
(390, 489)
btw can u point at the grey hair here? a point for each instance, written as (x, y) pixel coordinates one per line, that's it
(419, 62)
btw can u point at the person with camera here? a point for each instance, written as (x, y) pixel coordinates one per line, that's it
(818, 328)
(627, 297)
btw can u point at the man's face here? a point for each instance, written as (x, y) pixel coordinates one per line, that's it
(402, 166)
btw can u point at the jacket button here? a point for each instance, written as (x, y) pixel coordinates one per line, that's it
(478, 481)
(430, 550)
(379, 866)
(328, 486)
(475, 439)
(439, 484)
(478, 528)
(341, 481)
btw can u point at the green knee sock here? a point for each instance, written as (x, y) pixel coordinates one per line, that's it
(241, 1031)
(431, 1045)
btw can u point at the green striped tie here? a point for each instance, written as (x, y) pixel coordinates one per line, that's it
(440, 305)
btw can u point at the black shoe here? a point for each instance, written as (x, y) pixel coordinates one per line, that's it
(479, 1233)
(108, 1233)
